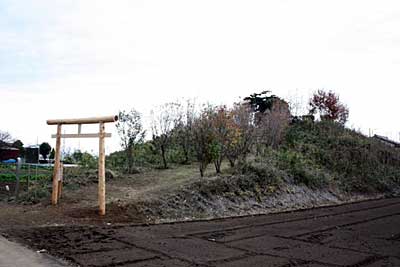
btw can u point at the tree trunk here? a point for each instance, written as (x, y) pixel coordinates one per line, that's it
(163, 157)
(242, 159)
(186, 153)
(231, 162)
(201, 170)
(129, 158)
(217, 164)
(202, 167)
(257, 150)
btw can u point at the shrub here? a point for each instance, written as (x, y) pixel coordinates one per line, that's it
(301, 169)
(263, 173)
(38, 191)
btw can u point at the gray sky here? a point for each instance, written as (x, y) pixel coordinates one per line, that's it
(72, 58)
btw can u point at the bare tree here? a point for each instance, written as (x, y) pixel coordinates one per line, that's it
(297, 104)
(273, 123)
(183, 129)
(5, 138)
(164, 120)
(203, 138)
(130, 130)
(217, 135)
(220, 133)
(243, 137)
(224, 134)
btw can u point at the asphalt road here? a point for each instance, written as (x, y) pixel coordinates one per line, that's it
(15, 255)
(358, 234)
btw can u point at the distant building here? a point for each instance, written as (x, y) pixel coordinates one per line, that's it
(8, 152)
(386, 141)
(32, 154)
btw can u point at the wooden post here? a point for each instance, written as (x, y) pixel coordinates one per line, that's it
(60, 180)
(17, 173)
(102, 171)
(54, 196)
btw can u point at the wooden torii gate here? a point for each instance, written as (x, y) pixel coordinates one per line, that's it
(102, 159)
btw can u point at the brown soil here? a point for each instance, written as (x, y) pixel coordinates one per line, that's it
(359, 234)
(126, 199)
(176, 194)
(164, 196)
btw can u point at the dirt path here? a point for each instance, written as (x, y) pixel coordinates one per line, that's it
(359, 234)
(144, 186)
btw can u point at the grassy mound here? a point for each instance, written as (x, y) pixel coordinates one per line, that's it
(357, 162)
(319, 163)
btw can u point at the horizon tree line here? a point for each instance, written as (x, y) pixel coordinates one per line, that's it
(208, 134)
(213, 133)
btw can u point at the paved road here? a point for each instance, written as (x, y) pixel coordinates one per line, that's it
(15, 255)
(359, 234)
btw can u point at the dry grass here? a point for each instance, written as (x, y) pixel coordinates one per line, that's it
(144, 186)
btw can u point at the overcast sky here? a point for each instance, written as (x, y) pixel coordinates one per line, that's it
(61, 59)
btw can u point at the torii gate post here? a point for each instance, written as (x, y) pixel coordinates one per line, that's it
(57, 183)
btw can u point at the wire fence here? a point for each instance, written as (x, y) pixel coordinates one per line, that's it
(19, 178)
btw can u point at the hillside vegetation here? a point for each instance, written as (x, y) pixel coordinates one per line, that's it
(253, 157)
(319, 163)
(355, 162)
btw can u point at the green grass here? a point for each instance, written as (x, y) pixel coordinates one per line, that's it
(23, 177)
